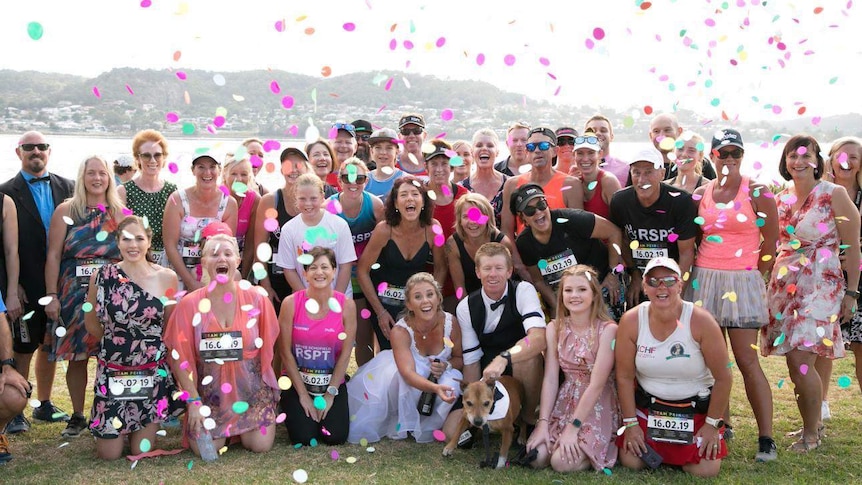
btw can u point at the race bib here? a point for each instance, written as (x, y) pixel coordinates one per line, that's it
(669, 427)
(130, 385)
(645, 253)
(191, 253)
(86, 269)
(316, 380)
(224, 346)
(556, 264)
(392, 295)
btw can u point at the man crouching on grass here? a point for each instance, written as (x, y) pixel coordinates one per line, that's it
(14, 389)
(502, 332)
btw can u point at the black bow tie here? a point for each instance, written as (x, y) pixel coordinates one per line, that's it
(499, 302)
(36, 180)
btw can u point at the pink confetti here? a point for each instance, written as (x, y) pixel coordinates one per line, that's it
(181, 75)
(96, 92)
(802, 150)
(709, 22)
(408, 45)
(173, 167)
(459, 292)
(480, 59)
(279, 26)
(172, 117)
(544, 61)
(226, 388)
(815, 120)
(219, 121)
(382, 287)
(349, 26)
(672, 237)
(589, 43)
(598, 33)
(127, 212)
(439, 240)
(129, 89)
(287, 102)
(102, 207)
(441, 42)
(439, 435)
(393, 44)
(270, 225)
(280, 418)
(274, 87)
(334, 455)
(293, 130)
(365, 313)
(446, 115)
(388, 85)
(146, 3)
(803, 369)
(509, 60)
(776, 109)
(271, 145)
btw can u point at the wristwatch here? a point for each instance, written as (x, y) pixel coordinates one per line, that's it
(332, 390)
(5, 362)
(508, 356)
(851, 293)
(715, 422)
(577, 423)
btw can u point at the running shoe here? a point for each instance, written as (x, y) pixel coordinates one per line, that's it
(825, 413)
(19, 424)
(77, 424)
(5, 456)
(766, 449)
(48, 413)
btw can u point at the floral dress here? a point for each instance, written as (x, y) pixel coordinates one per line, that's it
(807, 285)
(577, 356)
(90, 243)
(134, 385)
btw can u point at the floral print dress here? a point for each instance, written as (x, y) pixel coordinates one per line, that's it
(133, 384)
(807, 285)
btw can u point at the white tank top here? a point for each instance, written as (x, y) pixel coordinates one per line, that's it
(672, 369)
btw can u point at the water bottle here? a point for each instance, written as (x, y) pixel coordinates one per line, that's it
(206, 447)
(426, 400)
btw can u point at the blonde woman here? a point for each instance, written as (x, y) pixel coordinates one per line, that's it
(689, 163)
(462, 171)
(239, 179)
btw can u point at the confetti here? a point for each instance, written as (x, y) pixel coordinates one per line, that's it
(35, 30)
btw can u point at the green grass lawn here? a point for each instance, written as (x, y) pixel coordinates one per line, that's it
(40, 456)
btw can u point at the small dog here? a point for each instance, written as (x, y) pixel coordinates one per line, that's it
(481, 410)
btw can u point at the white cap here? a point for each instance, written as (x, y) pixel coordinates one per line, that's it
(648, 155)
(662, 262)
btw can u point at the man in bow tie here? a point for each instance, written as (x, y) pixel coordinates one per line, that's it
(502, 329)
(36, 193)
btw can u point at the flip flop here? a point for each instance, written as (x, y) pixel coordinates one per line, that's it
(802, 446)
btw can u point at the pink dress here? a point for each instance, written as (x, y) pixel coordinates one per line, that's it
(598, 431)
(807, 285)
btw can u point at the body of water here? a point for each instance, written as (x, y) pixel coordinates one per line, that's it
(69, 151)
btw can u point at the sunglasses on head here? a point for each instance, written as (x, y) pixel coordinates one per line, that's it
(542, 145)
(730, 154)
(411, 131)
(358, 179)
(667, 281)
(586, 139)
(29, 147)
(149, 156)
(531, 210)
(345, 126)
(565, 141)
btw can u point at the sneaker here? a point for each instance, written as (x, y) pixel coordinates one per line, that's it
(19, 424)
(48, 413)
(77, 424)
(5, 456)
(766, 449)
(825, 413)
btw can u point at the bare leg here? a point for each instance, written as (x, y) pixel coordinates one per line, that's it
(530, 373)
(704, 469)
(559, 464)
(543, 457)
(630, 460)
(824, 368)
(857, 352)
(22, 364)
(257, 441)
(756, 385)
(148, 433)
(452, 423)
(76, 380)
(12, 403)
(109, 448)
(45, 371)
(808, 389)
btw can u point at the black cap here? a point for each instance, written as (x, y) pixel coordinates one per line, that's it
(566, 131)
(362, 126)
(523, 195)
(727, 137)
(544, 131)
(292, 151)
(411, 119)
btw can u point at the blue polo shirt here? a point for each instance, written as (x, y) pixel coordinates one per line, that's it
(43, 197)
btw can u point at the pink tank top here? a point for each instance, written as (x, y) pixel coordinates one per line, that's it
(731, 237)
(243, 219)
(315, 343)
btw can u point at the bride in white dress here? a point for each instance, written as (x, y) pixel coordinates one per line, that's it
(384, 393)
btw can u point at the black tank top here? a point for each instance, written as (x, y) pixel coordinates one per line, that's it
(276, 274)
(395, 270)
(468, 265)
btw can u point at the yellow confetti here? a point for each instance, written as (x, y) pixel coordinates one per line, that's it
(515, 349)
(827, 342)
(222, 450)
(205, 305)
(766, 257)
(755, 347)
(634, 245)
(116, 423)
(284, 383)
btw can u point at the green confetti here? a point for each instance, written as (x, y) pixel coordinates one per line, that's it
(191, 464)
(239, 187)
(695, 285)
(760, 222)
(592, 185)
(682, 32)
(145, 445)
(780, 383)
(833, 80)
(699, 220)
(708, 83)
(715, 238)
(456, 161)
(313, 442)
(188, 129)
(607, 471)
(779, 340)
(101, 236)
(613, 344)
(35, 30)
(297, 446)
(240, 407)
(305, 259)
(844, 382)
(791, 230)
(87, 307)
(162, 373)
(319, 403)
(715, 102)
(542, 264)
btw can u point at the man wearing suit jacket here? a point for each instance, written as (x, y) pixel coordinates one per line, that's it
(36, 193)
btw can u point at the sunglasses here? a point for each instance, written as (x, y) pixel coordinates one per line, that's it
(667, 281)
(531, 210)
(357, 179)
(411, 131)
(29, 147)
(364, 137)
(542, 145)
(565, 141)
(150, 156)
(345, 126)
(730, 154)
(586, 139)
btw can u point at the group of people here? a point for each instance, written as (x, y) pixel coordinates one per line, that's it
(607, 288)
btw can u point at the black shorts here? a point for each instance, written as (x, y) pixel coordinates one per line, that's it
(28, 335)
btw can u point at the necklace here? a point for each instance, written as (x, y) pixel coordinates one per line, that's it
(425, 333)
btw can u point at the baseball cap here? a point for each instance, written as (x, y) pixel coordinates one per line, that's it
(566, 131)
(292, 151)
(383, 135)
(411, 119)
(125, 161)
(523, 195)
(349, 128)
(727, 137)
(662, 262)
(589, 140)
(362, 126)
(440, 148)
(650, 154)
(544, 131)
(205, 156)
(216, 227)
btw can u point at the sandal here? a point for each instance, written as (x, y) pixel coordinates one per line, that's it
(821, 432)
(802, 446)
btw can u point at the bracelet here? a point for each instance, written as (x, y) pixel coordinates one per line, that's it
(193, 399)
(542, 419)
(53, 293)
(630, 420)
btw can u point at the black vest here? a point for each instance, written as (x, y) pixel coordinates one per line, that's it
(508, 331)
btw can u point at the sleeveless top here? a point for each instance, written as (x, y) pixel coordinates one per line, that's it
(553, 194)
(191, 227)
(361, 227)
(445, 214)
(395, 270)
(275, 273)
(468, 264)
(672, 369)
(496, 202)
(597, 204)
(445, 354)
(244, 217)
(381, 188)
(731, 239)
(315, 343)
(150, 205)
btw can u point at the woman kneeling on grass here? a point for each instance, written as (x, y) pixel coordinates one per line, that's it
(222, 338)
(675, 350)
(133, 385)
(576, 425)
